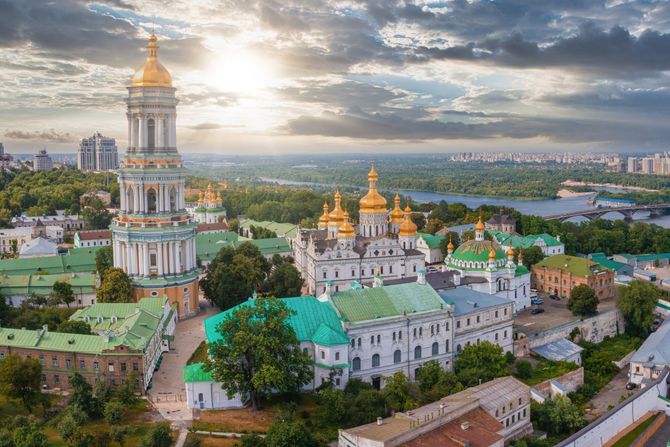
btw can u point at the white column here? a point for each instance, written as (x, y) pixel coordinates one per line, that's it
(130, 129)
(173, 130)
(189, 255)
(136, 199)
(177, 261)
(141, 131)
(142, 199)
(124, 256)
(170, 257)
(132, 258)
(159, 258)
(122, 196)
(115, 252)
(160, 140)
(145, 260)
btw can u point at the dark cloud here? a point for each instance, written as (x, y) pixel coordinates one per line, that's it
(47, 136)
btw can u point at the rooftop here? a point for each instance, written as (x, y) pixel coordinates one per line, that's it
(388, 301)
(195, 373)
(656, 348)
(57, 341)
(94, 235)
(281, 228)
(77, 260)
(481, 431)
(558, 350)
(432, 241)
(12, 285)
(466, 300)
(603, 260)
(38, 247)
(577, 266)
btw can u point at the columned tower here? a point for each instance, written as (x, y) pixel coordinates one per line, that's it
(373, 213)
(153, 235)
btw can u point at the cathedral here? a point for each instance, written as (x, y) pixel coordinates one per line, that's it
(337, 254)
(153, 237)
(210, 207)
(488, 269)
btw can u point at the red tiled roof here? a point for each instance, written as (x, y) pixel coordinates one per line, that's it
(482, 432)
(219, 226)
(90, 235)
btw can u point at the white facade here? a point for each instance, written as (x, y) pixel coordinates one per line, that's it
(42, 161)
(432, 255)
(92, 238)
(97, 153)
(12, 239)
(68, 222)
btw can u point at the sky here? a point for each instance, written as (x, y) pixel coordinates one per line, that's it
(337, 76)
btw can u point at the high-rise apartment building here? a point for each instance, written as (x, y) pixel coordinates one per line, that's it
(97, 153)
(42, 161)
(632, 164)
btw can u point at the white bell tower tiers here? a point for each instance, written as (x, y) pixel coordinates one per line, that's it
(153, 237)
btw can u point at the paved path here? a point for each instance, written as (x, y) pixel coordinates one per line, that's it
(168, 393)
(661, 437)
(610, 394)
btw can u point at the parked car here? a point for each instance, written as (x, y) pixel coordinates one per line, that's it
(537, 310)
(555, 297)
(630, 386)
(536, 300)
(431, 269)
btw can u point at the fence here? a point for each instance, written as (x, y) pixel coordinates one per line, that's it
(649, 431)
(167, 397)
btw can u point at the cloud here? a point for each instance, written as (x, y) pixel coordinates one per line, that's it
(46, 136)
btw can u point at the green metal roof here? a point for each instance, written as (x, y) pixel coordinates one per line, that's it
(209, 244)
(521, 270)
(601, 259)
(388, 301)
(528, 241)
(281, 228)
(196, 373)
(477, 251)
(312, 320)
(56, 341)
(432, 241)
(12, 285)
(77, 260)
(577, 266)
(652, 257)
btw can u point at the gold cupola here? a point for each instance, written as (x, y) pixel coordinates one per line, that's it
(373, 202)
(346, 230)
(407, 227)
(323, 220)
(336, 217)
(152, 73)
(450, 247)
(492, 254)
(396, 215)
(510, 252)
(480, 225)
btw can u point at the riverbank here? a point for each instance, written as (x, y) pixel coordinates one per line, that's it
(565, 193)
(607, 185)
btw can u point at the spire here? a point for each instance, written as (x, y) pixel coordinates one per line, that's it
(450, 247)
(323, 220)
(397, 214)
(346, 230)
(373, 202)
(479, 229)
(407, 227)
(152, 73)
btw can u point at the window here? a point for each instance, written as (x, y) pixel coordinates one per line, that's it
(505, 311)
(513, 418)
(524, 412)
(446, 325)
(437, 328)
(417, 352)
(414, 332)
(56, 379)
(353, 273)
(390, 269)
(505, 334)
(337, 381)
(397, 356)
(458, 324)
(359, 342)
(356, 364)
(435, 349)
(467, 322)
(82, 364)
(496, 314)
(68, 363)
(323, 355)
(324, 274)
(458, 348)
(96, 366)
(54, 362)
(337, 355)
(110, 366)
(123, 366)
(379, 338)
(394, 336)
(337, 274)
(519, 401)
(432, 330)
(42, 361)
(372, 339)
(496, 336)
(420, 332)
(477, 318)
(152, 258)
(135, 367)
(400, 335)
(446, 346)
(375, 360)
(353, 342)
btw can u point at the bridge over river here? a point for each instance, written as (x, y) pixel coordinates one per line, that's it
(626, 211)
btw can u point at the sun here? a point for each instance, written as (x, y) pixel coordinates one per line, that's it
(239, 70)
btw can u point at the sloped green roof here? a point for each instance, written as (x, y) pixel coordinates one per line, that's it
(602, 259)
(77, 260)
(196, 373)
(477, 251)
(575, 265)
(432, 241)
(312, 320)
(652, 256)
(388, 301)
(521, 270)
(209, 244)
(43, 284)
(528, 241)
(281, 228)
(57, 341)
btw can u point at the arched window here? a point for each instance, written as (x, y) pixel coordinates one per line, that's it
(356, 364)
(435, 349)
(152, 205)
(375, 360)
(417, 352)
(397, 356)
(458, 348)
(173, 199)
(151, 133)
(130, 199)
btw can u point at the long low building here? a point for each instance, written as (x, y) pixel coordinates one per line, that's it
(17, 288)
(128, 338)
(488, 415)
(209, 244)
(652, 357)
(560, 274)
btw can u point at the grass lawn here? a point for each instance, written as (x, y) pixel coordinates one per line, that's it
(199, 355)
(547, 369)
(210, 441)
(631, 436)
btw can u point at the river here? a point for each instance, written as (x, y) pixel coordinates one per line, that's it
(543, 207)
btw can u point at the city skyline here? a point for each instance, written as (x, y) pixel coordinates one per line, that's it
(264, 77)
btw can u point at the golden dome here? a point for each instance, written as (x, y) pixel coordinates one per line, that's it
(396, 214)
(450, 247)
(407, 227)
(492, 254)
(346, 230)
(480, 225)
(373, 202)
(520, 255)
(323, 220)
(510, 252)
(201, 198)
(336, 217)
(152, 73)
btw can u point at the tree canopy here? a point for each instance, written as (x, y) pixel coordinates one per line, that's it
(583, 301)
(483, 362)
(116, 287)
(21, 378)
(637, 302)
(104, 260)
(285, 281)
(61, 293)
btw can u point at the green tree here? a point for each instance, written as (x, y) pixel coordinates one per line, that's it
(482, 361)
(531, 256)
(25, 432)
(158, 436)
(396, 392)
(285, 281)
(258, 352)
(637, 302)
(419, 220)
(82, 396)
(444, 243)
(583, 301)
(289, 433)
(193, 441)
(69, 429)
(333, 405)
(119, 433)
(524, 370)
(114, 410)
(116, 287)
(127, 392)
(95, 215)
(558, 415)
(61, 293)
(74, 327)
(104, 260)
(20, 378)
(367, 406)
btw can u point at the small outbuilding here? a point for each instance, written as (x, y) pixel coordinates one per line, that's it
(561, 350)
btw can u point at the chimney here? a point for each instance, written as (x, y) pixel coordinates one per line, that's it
(327, 293)
(45, 328)
(421, 277)
(465, 425)
(380, 421)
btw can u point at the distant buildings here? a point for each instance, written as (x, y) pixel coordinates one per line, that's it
(104, 196)
(92, 238)
(502, 222)
(549, 244)
(659, 164)
(209, 208)
(68, 222)
(559, 274)
(97, 153)
(42, 161)
(5, 159)
(13, 239)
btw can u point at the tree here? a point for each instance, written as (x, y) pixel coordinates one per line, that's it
(583, 301)
(637, 302)
(524, 370)
(258, 352)
(158, 436)
(433, 226)
(444, 243)
(436, 383)
(333, 405)
(95, 215)
(61, 293)
(558, 415)
(482, 361)
(531, 256)
(396, 392)
(419, 220)
(119, 433)
(114, 412)
(25, 432)
(20, 378)
(74, 327)
(193, 441)
(82, 396)
(116, 287)
(69, 429)
(285, 281)
(104, 260)
(367, 406)
(126, 393)
(288, 433)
